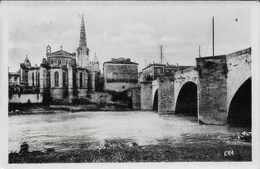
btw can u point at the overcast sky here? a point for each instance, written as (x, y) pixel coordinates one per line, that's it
(133, 30)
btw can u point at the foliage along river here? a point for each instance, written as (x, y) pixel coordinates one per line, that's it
(66, 131)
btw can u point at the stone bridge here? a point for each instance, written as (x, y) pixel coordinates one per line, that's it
(216, 91)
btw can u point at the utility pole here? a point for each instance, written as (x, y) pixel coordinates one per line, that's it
(161, 55)
(213, 36)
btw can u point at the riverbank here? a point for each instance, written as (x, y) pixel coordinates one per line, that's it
(46, 109)
(192, 147)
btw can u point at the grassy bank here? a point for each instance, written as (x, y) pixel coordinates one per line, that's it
(197, 147)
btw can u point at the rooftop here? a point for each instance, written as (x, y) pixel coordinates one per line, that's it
(121, 60)
(60, 53)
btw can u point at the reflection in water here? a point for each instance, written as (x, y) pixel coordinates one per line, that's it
(64, 131)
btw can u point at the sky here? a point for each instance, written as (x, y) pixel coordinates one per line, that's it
(130, 30)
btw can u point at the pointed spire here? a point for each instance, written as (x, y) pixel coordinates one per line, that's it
(82, 38)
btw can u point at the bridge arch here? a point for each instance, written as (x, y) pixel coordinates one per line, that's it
(239, 80)
(239, 109)
(186, 81)
(155, 97)
(187, 99)
(155, 101)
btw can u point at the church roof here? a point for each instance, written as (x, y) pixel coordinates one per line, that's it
(61, 53)
(121, 60)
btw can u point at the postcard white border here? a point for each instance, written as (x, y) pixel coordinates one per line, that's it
(255, 111)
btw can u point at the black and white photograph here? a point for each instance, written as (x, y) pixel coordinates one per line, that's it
(128, 82)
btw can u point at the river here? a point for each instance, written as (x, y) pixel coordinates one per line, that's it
(66, 131)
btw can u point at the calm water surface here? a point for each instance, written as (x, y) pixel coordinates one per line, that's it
(65, 131)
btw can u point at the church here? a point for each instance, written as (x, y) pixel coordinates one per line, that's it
(62, 77)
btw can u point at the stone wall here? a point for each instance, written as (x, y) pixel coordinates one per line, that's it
(166, 95)
(57, 93)
(101, 98)
(82, 93)
(212, 89)
(119, 86)
(146, 96)
(136, 98)
(25, 98)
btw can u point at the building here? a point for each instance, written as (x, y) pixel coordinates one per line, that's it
(62, 77)
(24, 69)
(120, 74)
(152, 71)
(14, 79)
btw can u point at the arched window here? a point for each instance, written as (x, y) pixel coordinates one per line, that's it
(38, 79)
(49, 79)
(59, 62)
(64, 78)
(52, 61)
(81, 80)
(33, 79)
(56, 78)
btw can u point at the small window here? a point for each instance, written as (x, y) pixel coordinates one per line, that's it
(81, 80)
(115, 76)
(158, 70)
(64, 78)
(59, 62)
(33, 79)
(49, 79)
(38, 79)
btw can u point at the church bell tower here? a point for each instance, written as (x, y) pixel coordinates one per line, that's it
(83, 51)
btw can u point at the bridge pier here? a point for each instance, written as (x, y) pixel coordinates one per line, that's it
(166, 95)
(212, 90)
(146, 96)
